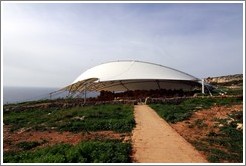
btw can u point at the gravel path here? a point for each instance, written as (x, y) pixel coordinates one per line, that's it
(155, 141)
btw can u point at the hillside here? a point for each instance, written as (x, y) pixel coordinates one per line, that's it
(229, 80)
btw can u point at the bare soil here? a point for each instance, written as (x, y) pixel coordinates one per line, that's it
(192, 132)
(155, 141)
(46, 138)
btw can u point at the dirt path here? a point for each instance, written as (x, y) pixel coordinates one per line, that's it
(154, 141)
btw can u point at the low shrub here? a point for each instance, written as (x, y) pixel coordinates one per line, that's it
(89, 118)
(108, 151)
(28, 145)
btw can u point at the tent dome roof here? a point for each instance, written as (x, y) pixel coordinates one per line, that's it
(132, 75)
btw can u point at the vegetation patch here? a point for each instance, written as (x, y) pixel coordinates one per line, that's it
(108, 151)
(225, 145)
(28, 145)
(200, 123)
(182, 111)
(90, 118)
(89, 124)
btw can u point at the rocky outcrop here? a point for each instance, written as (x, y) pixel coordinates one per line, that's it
(229, 80)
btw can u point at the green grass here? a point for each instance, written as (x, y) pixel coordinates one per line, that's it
(175, 113)
(90, 118)
(108, 151)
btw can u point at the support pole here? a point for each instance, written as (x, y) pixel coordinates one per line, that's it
(203, 86)
(85, 94)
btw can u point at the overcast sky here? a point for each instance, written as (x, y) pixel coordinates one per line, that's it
(50, 45)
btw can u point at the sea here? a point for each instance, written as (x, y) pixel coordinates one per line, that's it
(23, 94)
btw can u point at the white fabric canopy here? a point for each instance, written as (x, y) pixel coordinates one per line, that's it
(132, 75)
